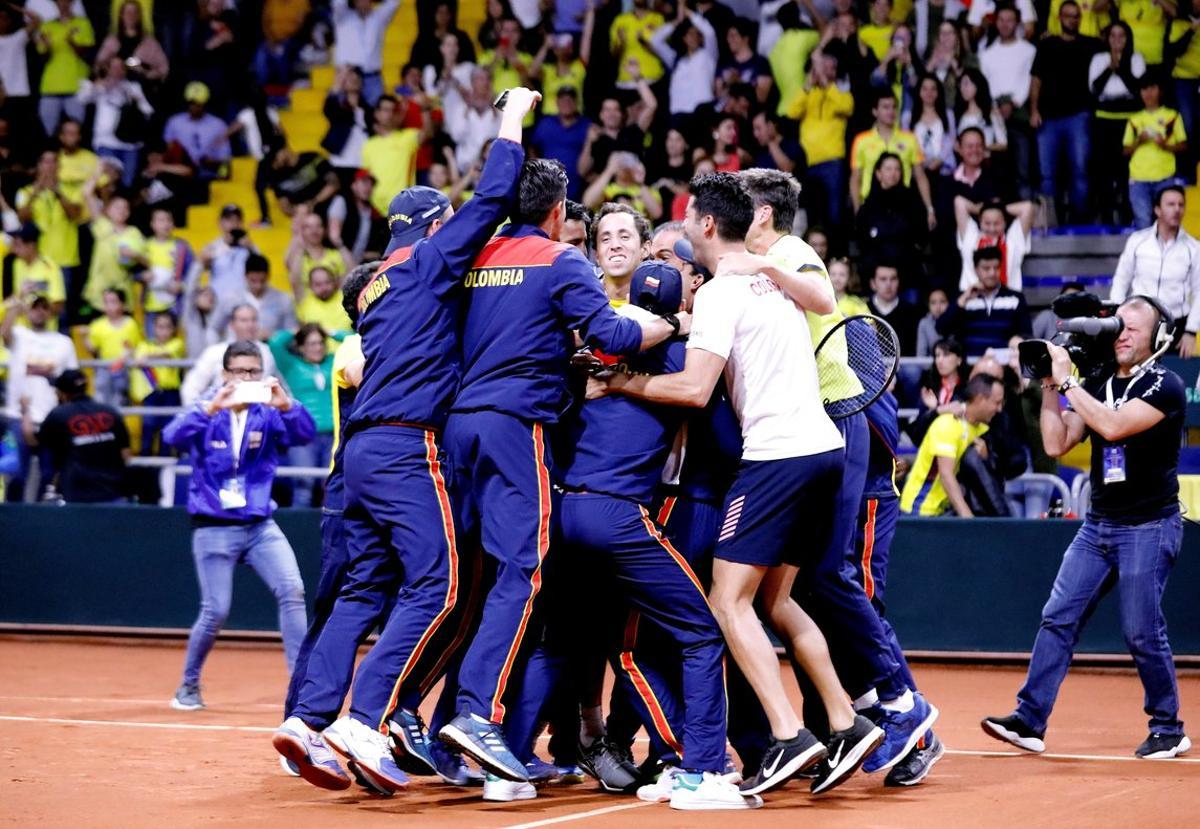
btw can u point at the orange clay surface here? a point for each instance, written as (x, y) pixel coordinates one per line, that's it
(87, 739)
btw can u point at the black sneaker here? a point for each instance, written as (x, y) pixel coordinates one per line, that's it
(783, 760)
(916, 764)
(1013, 730)
(846, 752)
(1163, 746)
(614, 772)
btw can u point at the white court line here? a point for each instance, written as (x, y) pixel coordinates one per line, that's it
(133, 724)
(550, 821)
(120, 701)
(1099, 757)
(1110, 758)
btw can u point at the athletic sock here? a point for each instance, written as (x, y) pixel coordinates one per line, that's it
(591, 724)
(868, 700)
(901, 704)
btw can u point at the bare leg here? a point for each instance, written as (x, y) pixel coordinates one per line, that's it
(732, 598)
(808, 644)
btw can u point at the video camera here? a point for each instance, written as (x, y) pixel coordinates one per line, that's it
(1088, 330)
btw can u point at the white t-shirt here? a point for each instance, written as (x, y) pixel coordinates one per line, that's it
(1016, 245)
(1008, 67)
(769, 369)
(14, 69)
(36, 358)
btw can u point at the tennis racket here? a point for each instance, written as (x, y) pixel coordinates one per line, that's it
(856, 362)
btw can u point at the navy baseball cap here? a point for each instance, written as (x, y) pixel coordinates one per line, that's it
(683, 249)
(657, 287)
(411, 212)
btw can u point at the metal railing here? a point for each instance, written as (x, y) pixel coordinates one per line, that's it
(169, 469)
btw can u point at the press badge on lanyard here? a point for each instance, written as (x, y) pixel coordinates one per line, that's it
(233, 491)
(1114, 456)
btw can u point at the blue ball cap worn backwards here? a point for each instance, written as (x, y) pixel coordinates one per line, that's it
(411, 213)
(657, 287)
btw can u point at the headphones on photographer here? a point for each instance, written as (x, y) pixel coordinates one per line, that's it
(1164, 329)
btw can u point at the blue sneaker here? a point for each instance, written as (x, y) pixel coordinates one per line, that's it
(452, 768)
(368, 749)
(541, 772)
(902, 732)
(570, 774)
(484, 741)
(308, 753)
(410, 743)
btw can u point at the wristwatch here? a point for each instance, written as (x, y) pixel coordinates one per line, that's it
(1068, 384)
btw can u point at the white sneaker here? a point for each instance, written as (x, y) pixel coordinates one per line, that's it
(660, 790)
(369, 751)
(709, 791)
(506, 791)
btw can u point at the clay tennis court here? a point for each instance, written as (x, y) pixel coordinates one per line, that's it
(89, 740)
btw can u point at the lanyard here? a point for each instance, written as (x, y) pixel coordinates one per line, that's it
(1108, 389)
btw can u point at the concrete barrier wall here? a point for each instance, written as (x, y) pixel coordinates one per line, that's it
(955, 585)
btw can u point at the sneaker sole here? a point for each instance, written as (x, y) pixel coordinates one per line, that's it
(183, 706)
(509, 799)
(913, 739)
(748, 802)
(420, 763)
(455, 737)
(912, 781)
(380, 783)
(815, 754)
(850, 763)
(1184, 747)
(291, 748)
(999, 732)
(289, 768)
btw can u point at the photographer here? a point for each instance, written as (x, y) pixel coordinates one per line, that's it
(1131, 535)
(235, 439)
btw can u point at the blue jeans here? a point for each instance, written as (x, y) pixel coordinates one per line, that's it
(827, 181)
(315, 453)
(129, 162)
(372, 89)
(1141, 199)
(1136, 560)
(52, 109)
(1065, 136)
(217, 550)
(1187, 101)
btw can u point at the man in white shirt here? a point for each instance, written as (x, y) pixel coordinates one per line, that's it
(1008, 66)
(36, 356)
(1163, 261)
(473, 124)
(993, 229)
(359, 26)
(983, 12)
(206, 373)
(746, 328)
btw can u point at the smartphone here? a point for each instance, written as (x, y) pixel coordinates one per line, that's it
(251, 391)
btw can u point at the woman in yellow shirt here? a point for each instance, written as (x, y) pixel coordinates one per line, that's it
(113, 338)
(156, 385)
(63, 41)
(565, 70)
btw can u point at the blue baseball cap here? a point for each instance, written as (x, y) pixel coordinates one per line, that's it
(657, 287)
(683, 249)
(411, 212)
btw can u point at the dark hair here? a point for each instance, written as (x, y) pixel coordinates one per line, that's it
(1067, 3)
(741, 89)
(1009, 7)
(257, 263)
(543, 184)
(308, 328)
(1126, 53)
(978, 131)
(884, 263)
(743, 27)
(884, 156)
(883, 94)
(981, 384)
(789, 17)
(354, 284)
(576, 212)
(1150, 78)
(939, 106)
(777, 190)
(640, 222)
(991, 253)
(983, 95)
(951, 346)
(1170, 188)
(994, 204)
(117, 292)
(241, 348)
(169, 315)
(722, 196)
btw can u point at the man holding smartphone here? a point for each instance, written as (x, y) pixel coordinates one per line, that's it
(234, 439)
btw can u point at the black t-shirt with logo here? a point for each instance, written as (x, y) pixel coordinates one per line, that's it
(1151, 458)
(85, 439)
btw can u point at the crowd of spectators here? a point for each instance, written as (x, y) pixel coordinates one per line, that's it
(930, 137)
